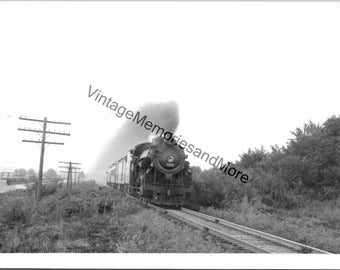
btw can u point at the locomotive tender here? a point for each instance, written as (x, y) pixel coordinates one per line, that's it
(156, 172)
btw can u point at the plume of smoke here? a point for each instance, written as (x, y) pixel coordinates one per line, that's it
(130, 134)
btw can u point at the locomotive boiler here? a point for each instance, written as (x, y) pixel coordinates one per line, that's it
(156, 172)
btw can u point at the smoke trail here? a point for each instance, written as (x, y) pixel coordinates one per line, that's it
(130, 134)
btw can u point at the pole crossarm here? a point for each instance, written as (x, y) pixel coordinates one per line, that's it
(32, 141)
(68, 162)
(47, 131)
(38, 120)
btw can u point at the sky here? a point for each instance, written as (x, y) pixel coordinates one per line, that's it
(243, 74)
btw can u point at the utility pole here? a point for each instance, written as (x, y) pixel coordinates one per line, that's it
(76, 173)
(41, 164)
(69, 172)
(42, 142)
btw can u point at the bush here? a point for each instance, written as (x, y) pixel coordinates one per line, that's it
(49, 189)
(15, 210)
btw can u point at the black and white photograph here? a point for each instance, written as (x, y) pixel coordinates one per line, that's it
(169, 134)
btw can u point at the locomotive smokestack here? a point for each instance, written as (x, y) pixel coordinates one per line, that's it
(164, 114)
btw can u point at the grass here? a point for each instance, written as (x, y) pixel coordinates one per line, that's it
(148, 232)
(91, 218)
(316, 223)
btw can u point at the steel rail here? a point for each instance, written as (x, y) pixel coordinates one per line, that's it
(218, 233)
(277, 243)
(273, 238)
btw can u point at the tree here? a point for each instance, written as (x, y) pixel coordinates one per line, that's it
(318, 148)
(31, 174)
(253, 158)
(82, 175)
(51, 174)
(196, 172)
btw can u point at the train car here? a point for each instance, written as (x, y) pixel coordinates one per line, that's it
(157, 172)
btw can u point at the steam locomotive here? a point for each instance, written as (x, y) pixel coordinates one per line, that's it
(156, 172)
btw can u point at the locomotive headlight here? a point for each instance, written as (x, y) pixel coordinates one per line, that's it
(171, 159)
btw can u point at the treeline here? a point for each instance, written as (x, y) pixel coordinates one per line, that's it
(31, 174)
(307, 168)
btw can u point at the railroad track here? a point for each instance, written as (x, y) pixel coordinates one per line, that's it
(250, 239)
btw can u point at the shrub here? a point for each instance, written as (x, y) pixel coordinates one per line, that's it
(49, 189)
(14, 211)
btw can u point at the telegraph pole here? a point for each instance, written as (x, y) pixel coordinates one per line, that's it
(41, 164)
(70, 171)
(42, 142)
(75, 177)
(69, 176)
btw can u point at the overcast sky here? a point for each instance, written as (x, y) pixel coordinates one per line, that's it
(243, 74)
